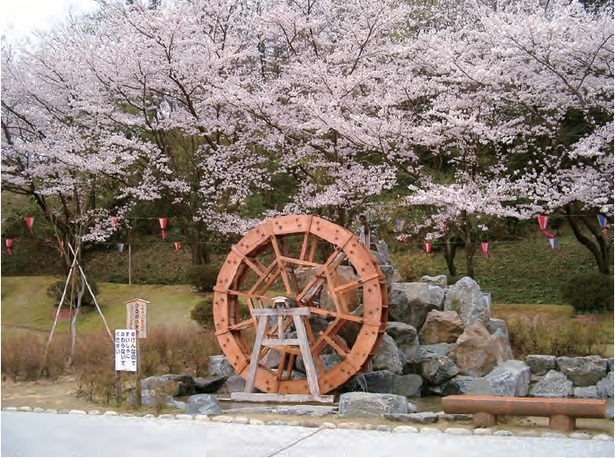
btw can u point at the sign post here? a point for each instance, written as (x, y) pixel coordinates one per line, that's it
(136, 319)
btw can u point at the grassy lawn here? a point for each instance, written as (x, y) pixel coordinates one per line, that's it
(26, 304)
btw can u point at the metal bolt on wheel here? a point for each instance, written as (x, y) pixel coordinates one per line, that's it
(311, 263)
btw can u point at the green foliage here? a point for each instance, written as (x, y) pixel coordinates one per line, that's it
(202, 313)
(590, 293)
(202, 277)
(87, 302)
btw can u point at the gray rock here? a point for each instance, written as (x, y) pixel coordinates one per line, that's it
(411, 302)
(218, 365)
(553, 385)
(377, 381)
(609, 363)
(389, 275)
(402, 333)
(438, 369)
(457, 385)
(329, 361)
(509, 379)
(583, 370)
(440, 349)
(206, 404)
(541, 364)
(367, 405)
(586, 392)
(408, 385)
(388, 356)
(233, 384)
(604, 386)
(440, 280)
(160, 390)
(465, 298)
(495, 324)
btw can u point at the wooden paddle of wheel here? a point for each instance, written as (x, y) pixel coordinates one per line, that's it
(338, 290)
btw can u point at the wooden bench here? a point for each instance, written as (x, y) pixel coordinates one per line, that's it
(562, 412)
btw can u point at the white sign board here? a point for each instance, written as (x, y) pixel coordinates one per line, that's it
(126, 350)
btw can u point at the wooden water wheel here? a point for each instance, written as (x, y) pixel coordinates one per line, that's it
(310, 263)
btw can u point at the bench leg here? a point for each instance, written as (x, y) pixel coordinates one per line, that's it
(562, 423)
(484, 420)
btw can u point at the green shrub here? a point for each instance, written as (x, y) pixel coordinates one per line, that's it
(202, 277)
(56, 289)
(202, 313)
(590, 293)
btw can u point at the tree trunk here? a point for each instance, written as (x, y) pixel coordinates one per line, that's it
(599, 248)
(470, 251)
(449, 254)
(198, 249)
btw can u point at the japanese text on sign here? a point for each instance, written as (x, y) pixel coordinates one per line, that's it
(126, 350)
(136, 314)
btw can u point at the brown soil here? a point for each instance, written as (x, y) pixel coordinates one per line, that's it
(61, 395)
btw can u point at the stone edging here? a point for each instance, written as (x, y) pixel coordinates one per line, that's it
(403, 429)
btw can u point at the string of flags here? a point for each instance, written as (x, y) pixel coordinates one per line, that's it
(114, 221)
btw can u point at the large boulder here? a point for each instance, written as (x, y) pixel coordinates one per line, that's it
(388, 356)
(465, 298)
(411, 302)
(437, 369)
(206, 404)
(475, 352)
(441, 326)
(553, 385)
(583, 370)
(369, 405)
(509, 379)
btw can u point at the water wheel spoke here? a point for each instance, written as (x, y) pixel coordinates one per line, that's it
(282, 266)
(321, 276)
(241, 326)
(343, 316)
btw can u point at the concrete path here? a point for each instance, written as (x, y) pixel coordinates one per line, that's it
(40, 434)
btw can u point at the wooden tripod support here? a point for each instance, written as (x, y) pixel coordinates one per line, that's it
(263, 317)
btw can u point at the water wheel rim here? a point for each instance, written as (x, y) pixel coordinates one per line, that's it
(370, 284)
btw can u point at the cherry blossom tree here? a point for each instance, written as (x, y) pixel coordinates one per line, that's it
(505, 81)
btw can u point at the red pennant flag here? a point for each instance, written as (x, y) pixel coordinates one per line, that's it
(30, 222)
(485, 247)
(163, 225)
(114, 221)
(542, 222)
(177, 246)
(428, 247)
(61, 244)
(9, 244)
